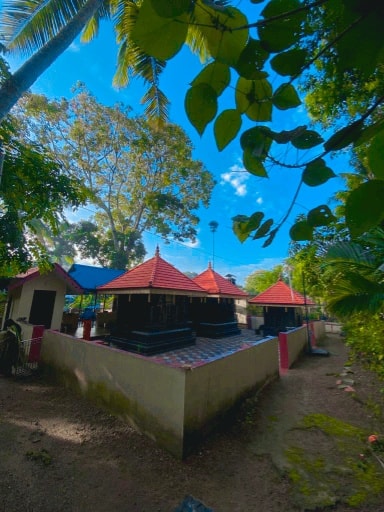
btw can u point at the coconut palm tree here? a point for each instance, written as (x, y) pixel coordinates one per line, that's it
(357, 276)
(42, 30)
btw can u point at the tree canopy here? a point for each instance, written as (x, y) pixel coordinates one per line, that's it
(260, 280)
(288, 49)
(33, 189)
(137, 178)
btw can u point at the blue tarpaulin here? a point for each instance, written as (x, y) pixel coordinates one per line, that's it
(90, 277)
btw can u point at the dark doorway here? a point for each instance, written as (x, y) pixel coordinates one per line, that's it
(42, 308)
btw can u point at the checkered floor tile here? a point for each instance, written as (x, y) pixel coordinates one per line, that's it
(206, 350)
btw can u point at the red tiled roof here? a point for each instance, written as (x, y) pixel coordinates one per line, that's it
(154, 273)
(34, 272)
(281, 294)
(214, 283)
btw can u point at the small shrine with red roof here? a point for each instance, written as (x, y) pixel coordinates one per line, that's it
(153, 307)
(215, 316)
(283, 307)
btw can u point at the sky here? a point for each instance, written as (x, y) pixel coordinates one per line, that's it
(236, 191)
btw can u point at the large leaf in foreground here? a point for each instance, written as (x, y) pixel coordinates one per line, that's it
(150, 28)
(227, 126)
(201, 106)
(218, 27)
(364, 208)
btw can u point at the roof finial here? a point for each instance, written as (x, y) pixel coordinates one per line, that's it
(157, 253)
(209, 265)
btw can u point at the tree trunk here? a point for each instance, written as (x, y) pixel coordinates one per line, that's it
(18, 83)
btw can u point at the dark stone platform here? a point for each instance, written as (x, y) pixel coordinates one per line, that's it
(153, 342)
(217, 330)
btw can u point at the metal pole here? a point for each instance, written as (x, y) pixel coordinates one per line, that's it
(213, 226)
(306, 315)
(2, 156)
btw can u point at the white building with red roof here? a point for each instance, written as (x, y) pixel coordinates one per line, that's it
(38, 297)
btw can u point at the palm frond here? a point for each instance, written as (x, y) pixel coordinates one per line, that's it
(124, 15)
(197, 44)
(353, 293)
(156, 105)
(349, 251)
(347, 256)
(30, 24)
(91, 29)
(132, 62)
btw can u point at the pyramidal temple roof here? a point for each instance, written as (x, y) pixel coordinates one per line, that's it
(153, 274)
(280, 294)
(215, 284)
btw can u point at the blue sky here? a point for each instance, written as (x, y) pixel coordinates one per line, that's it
(236, 192)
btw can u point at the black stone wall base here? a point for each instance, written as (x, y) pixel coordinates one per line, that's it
(153, 342)
(217, 330)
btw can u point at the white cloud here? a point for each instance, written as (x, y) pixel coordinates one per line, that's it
(192, 245)
(259, 200)
(74, 48)
(237, 178)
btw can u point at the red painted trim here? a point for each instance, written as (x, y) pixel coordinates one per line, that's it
(283, 351)
(34, 351)
(87, 326)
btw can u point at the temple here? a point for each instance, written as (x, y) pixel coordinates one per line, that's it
(215, 316)
(152, 307)
(283, 308)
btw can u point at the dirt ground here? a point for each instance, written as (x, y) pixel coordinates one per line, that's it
(299, 444)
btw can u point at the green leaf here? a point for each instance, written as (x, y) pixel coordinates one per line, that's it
(375, 154)
(286, 97)
(257, 140)
(368, 53)
(320, 216)
(253, 97)
(240, 227)
(344, 137)
(301, 231)
(289, 63)
(369, 132)
(240, 218)
(251, 61)
(171, 8)
(364, 208)
(263, 229)
(276, 36)
(254, 221)
(215, 74)
(150, 28)
(316, 173)
(227, 126)
(201, 106)
(224, 42)
(253, 164)
(306, 139)
(288, 135)
(271, 237)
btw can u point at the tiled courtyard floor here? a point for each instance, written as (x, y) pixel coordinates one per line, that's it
(204, 351)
